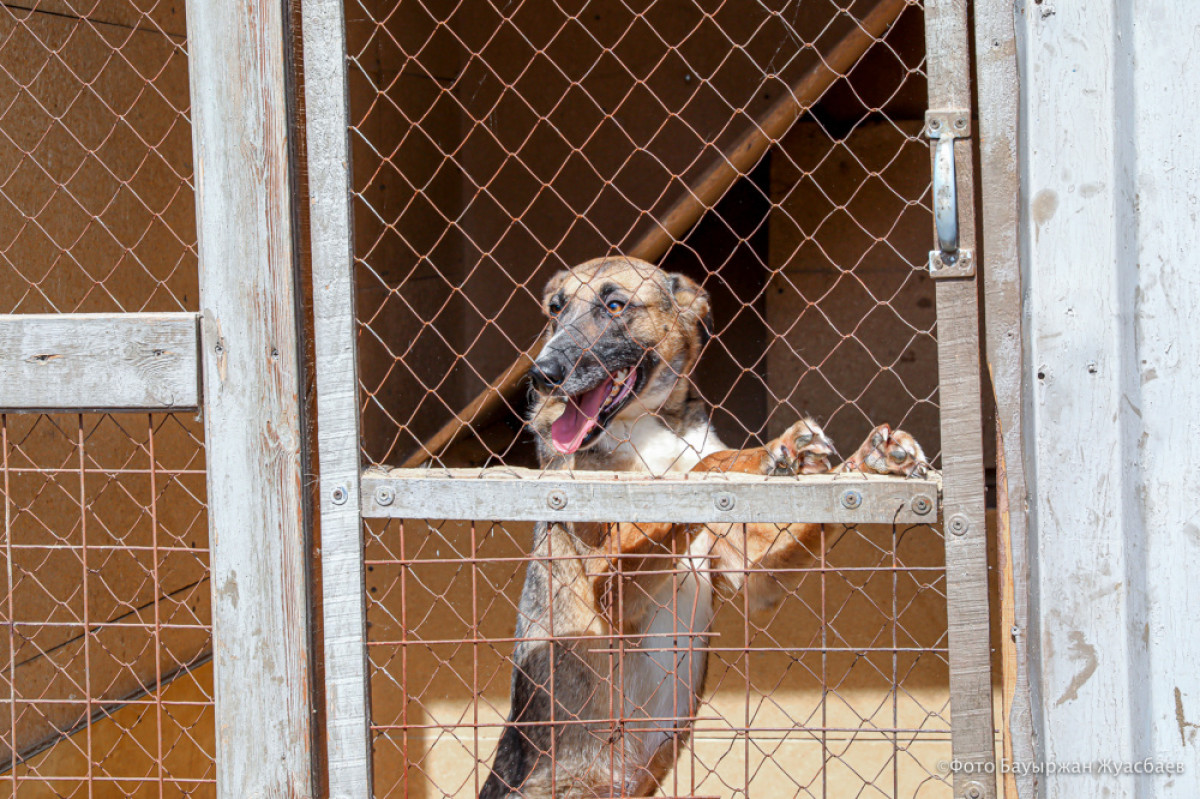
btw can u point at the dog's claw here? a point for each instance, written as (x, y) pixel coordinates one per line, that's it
(802, 449)
(888, 451)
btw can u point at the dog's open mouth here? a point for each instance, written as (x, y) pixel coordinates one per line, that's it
(586, 414)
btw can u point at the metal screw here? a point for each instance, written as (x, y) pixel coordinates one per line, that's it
(385, 495)
(958, 524)
(557, 500)
(935, 124)
(922, 504)
(339, 495)
(724, 501)
(960, 123)
(851, 499)
(973, 791)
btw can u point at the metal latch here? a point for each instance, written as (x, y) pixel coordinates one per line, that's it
(949, 260)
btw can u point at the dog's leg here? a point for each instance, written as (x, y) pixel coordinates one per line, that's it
(635, 561)
(633, 550)
(763, 559)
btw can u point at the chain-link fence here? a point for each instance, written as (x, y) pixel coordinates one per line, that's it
(106, 691)
(766, 163)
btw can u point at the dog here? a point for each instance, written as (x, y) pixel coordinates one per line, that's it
(613, 621)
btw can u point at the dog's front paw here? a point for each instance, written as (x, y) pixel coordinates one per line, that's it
(888, 451)
(802, 449)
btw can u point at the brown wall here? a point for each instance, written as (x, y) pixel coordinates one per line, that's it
(850, 294)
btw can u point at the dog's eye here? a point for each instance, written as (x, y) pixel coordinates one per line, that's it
(615, 306)
(554, 307)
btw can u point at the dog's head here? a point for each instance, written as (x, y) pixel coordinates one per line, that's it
(622, 339)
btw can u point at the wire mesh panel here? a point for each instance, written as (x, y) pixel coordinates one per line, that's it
(106, 691)
(495, 146)
(839, 690)
(620, 250)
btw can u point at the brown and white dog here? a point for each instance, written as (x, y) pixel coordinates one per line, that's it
(614, 619)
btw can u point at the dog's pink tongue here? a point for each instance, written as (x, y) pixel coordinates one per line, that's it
(570, 429)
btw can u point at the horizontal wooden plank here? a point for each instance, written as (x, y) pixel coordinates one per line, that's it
(75, 362)
(516, 494)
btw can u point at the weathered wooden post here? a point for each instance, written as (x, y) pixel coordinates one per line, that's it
(240, 73)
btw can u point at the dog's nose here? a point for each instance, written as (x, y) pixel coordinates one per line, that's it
(547, 373)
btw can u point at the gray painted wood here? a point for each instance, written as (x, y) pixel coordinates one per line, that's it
(529, 495)
(998, 103)
(347, 699)
(947, 45)
(1110, 188)
(239, 53)
(108, 362)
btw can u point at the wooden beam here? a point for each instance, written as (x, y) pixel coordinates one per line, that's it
(699, 197)
(61, 362)
(240, 69)
(947, 39)
(343, 579)
(534, 495)
(998, 98)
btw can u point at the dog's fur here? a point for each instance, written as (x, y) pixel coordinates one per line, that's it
(614, 618)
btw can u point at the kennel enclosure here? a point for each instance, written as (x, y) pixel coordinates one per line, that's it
(1085, 198)
(439, 234)
(458, 156)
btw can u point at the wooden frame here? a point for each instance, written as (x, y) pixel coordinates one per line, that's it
(240, 72)
(348, 743)
(346, 495)
(998, 103)
(947, 39)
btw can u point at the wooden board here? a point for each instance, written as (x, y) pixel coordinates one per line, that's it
(960, 402)
(529, 494)
(347, 704)
(1107, 235)
(999, 113)
(99, 361)
(258, 511)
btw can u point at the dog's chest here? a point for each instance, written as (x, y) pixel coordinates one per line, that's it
(647, 445)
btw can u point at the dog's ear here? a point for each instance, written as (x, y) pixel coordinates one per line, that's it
(693, 303)
(553, 287)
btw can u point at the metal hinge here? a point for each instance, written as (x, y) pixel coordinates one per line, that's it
(949, 260)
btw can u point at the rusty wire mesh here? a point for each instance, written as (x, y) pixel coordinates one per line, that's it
(497, 143)
(839, 691)
(106, 601)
